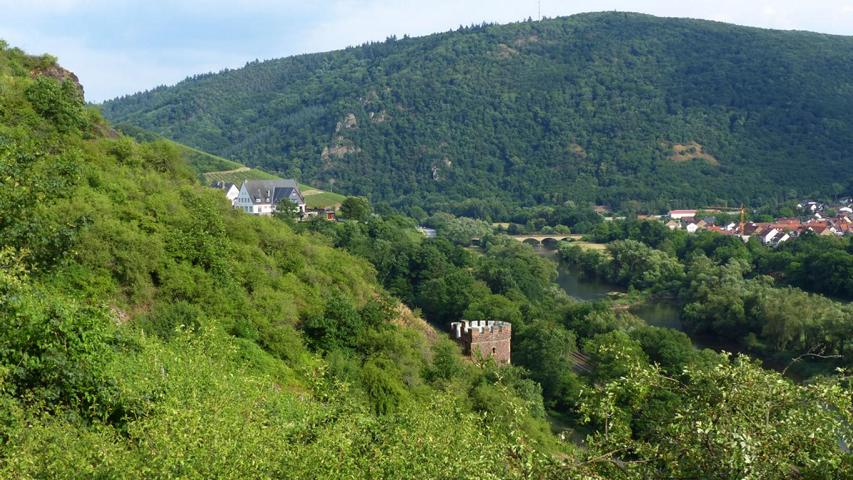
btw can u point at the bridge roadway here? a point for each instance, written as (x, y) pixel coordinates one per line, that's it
(556, 237)
(541, 238)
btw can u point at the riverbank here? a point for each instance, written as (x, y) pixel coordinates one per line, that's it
(665, 313)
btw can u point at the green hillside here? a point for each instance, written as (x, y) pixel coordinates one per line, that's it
(213, 168)
(149, 330)
(607, 108)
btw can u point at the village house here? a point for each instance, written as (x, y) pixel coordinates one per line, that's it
(231, 190)
(262, 197)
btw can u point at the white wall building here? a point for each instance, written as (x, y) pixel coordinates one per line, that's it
(261, 197)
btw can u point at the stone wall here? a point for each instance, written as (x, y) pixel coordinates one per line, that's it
(484, 339)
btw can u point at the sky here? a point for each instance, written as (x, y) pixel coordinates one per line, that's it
(119, 47)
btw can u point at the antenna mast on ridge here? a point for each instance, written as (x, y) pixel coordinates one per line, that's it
(540, 10)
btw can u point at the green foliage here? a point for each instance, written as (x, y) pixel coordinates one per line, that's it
(356, 208)
(735, 420)
(635, 265)
(588, 108)
(286, 210)
(154, 331)
(459, 230)
(54, 350)
(59, 102)
(544, 349)
(721, 297)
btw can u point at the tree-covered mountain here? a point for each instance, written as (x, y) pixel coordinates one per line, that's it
(149, 330)
(605, 108)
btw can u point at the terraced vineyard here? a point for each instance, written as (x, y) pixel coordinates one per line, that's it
(214, 168)
(238, 175)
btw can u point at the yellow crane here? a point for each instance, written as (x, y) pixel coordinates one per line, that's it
(742, 226)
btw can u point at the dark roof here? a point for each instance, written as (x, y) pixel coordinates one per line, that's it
(223, 185)
(272, 191)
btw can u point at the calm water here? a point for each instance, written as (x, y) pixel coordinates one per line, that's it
(658, 314)
(581, 287)
(587, 289)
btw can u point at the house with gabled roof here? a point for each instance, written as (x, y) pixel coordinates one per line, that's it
(231, 190)
(262, 197)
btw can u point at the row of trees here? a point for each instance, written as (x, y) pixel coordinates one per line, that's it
(721, 298)
(813, 263)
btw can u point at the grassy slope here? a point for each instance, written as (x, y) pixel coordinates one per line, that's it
(215, 168)
(150, 330)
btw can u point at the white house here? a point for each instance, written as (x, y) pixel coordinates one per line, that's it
(260, 197)
(231, 190)
(768, 237)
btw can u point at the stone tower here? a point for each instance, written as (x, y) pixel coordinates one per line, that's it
(484, 338)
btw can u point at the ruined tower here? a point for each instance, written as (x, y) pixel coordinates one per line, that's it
(484, 338)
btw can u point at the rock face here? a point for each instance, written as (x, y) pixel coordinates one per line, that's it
(57, 72)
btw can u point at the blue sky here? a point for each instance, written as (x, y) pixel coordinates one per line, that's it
(118, 47)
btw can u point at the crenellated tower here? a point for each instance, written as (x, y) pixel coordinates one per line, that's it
(484, 338)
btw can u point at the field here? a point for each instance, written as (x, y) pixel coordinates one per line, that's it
(238, 175)
(214, 168)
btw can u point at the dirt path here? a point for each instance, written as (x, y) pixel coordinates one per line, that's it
(236, 170)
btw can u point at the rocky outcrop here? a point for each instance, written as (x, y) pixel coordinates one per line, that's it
(61, 74)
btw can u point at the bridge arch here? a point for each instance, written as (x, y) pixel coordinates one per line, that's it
(550, 242)
(532, 241)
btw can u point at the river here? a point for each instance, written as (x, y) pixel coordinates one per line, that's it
(581, 287)
(657, 314)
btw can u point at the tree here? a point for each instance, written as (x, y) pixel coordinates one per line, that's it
(286, 210)
(61, 103)
(356, 208)
(734, 420)
(545, 349)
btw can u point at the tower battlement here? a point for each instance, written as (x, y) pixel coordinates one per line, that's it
(485, 338)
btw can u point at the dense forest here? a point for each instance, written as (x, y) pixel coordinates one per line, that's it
(768, 302)
(608, 108)
(151, 330)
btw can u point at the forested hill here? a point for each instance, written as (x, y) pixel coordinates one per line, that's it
(150, 330)
(604, 107)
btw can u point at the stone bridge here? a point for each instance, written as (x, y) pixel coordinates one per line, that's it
(543, 239)
(536, 240)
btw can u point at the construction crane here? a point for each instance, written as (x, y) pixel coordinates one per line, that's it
(742, 225)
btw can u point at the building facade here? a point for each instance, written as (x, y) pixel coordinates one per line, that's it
(262, 197)
(484, 339)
